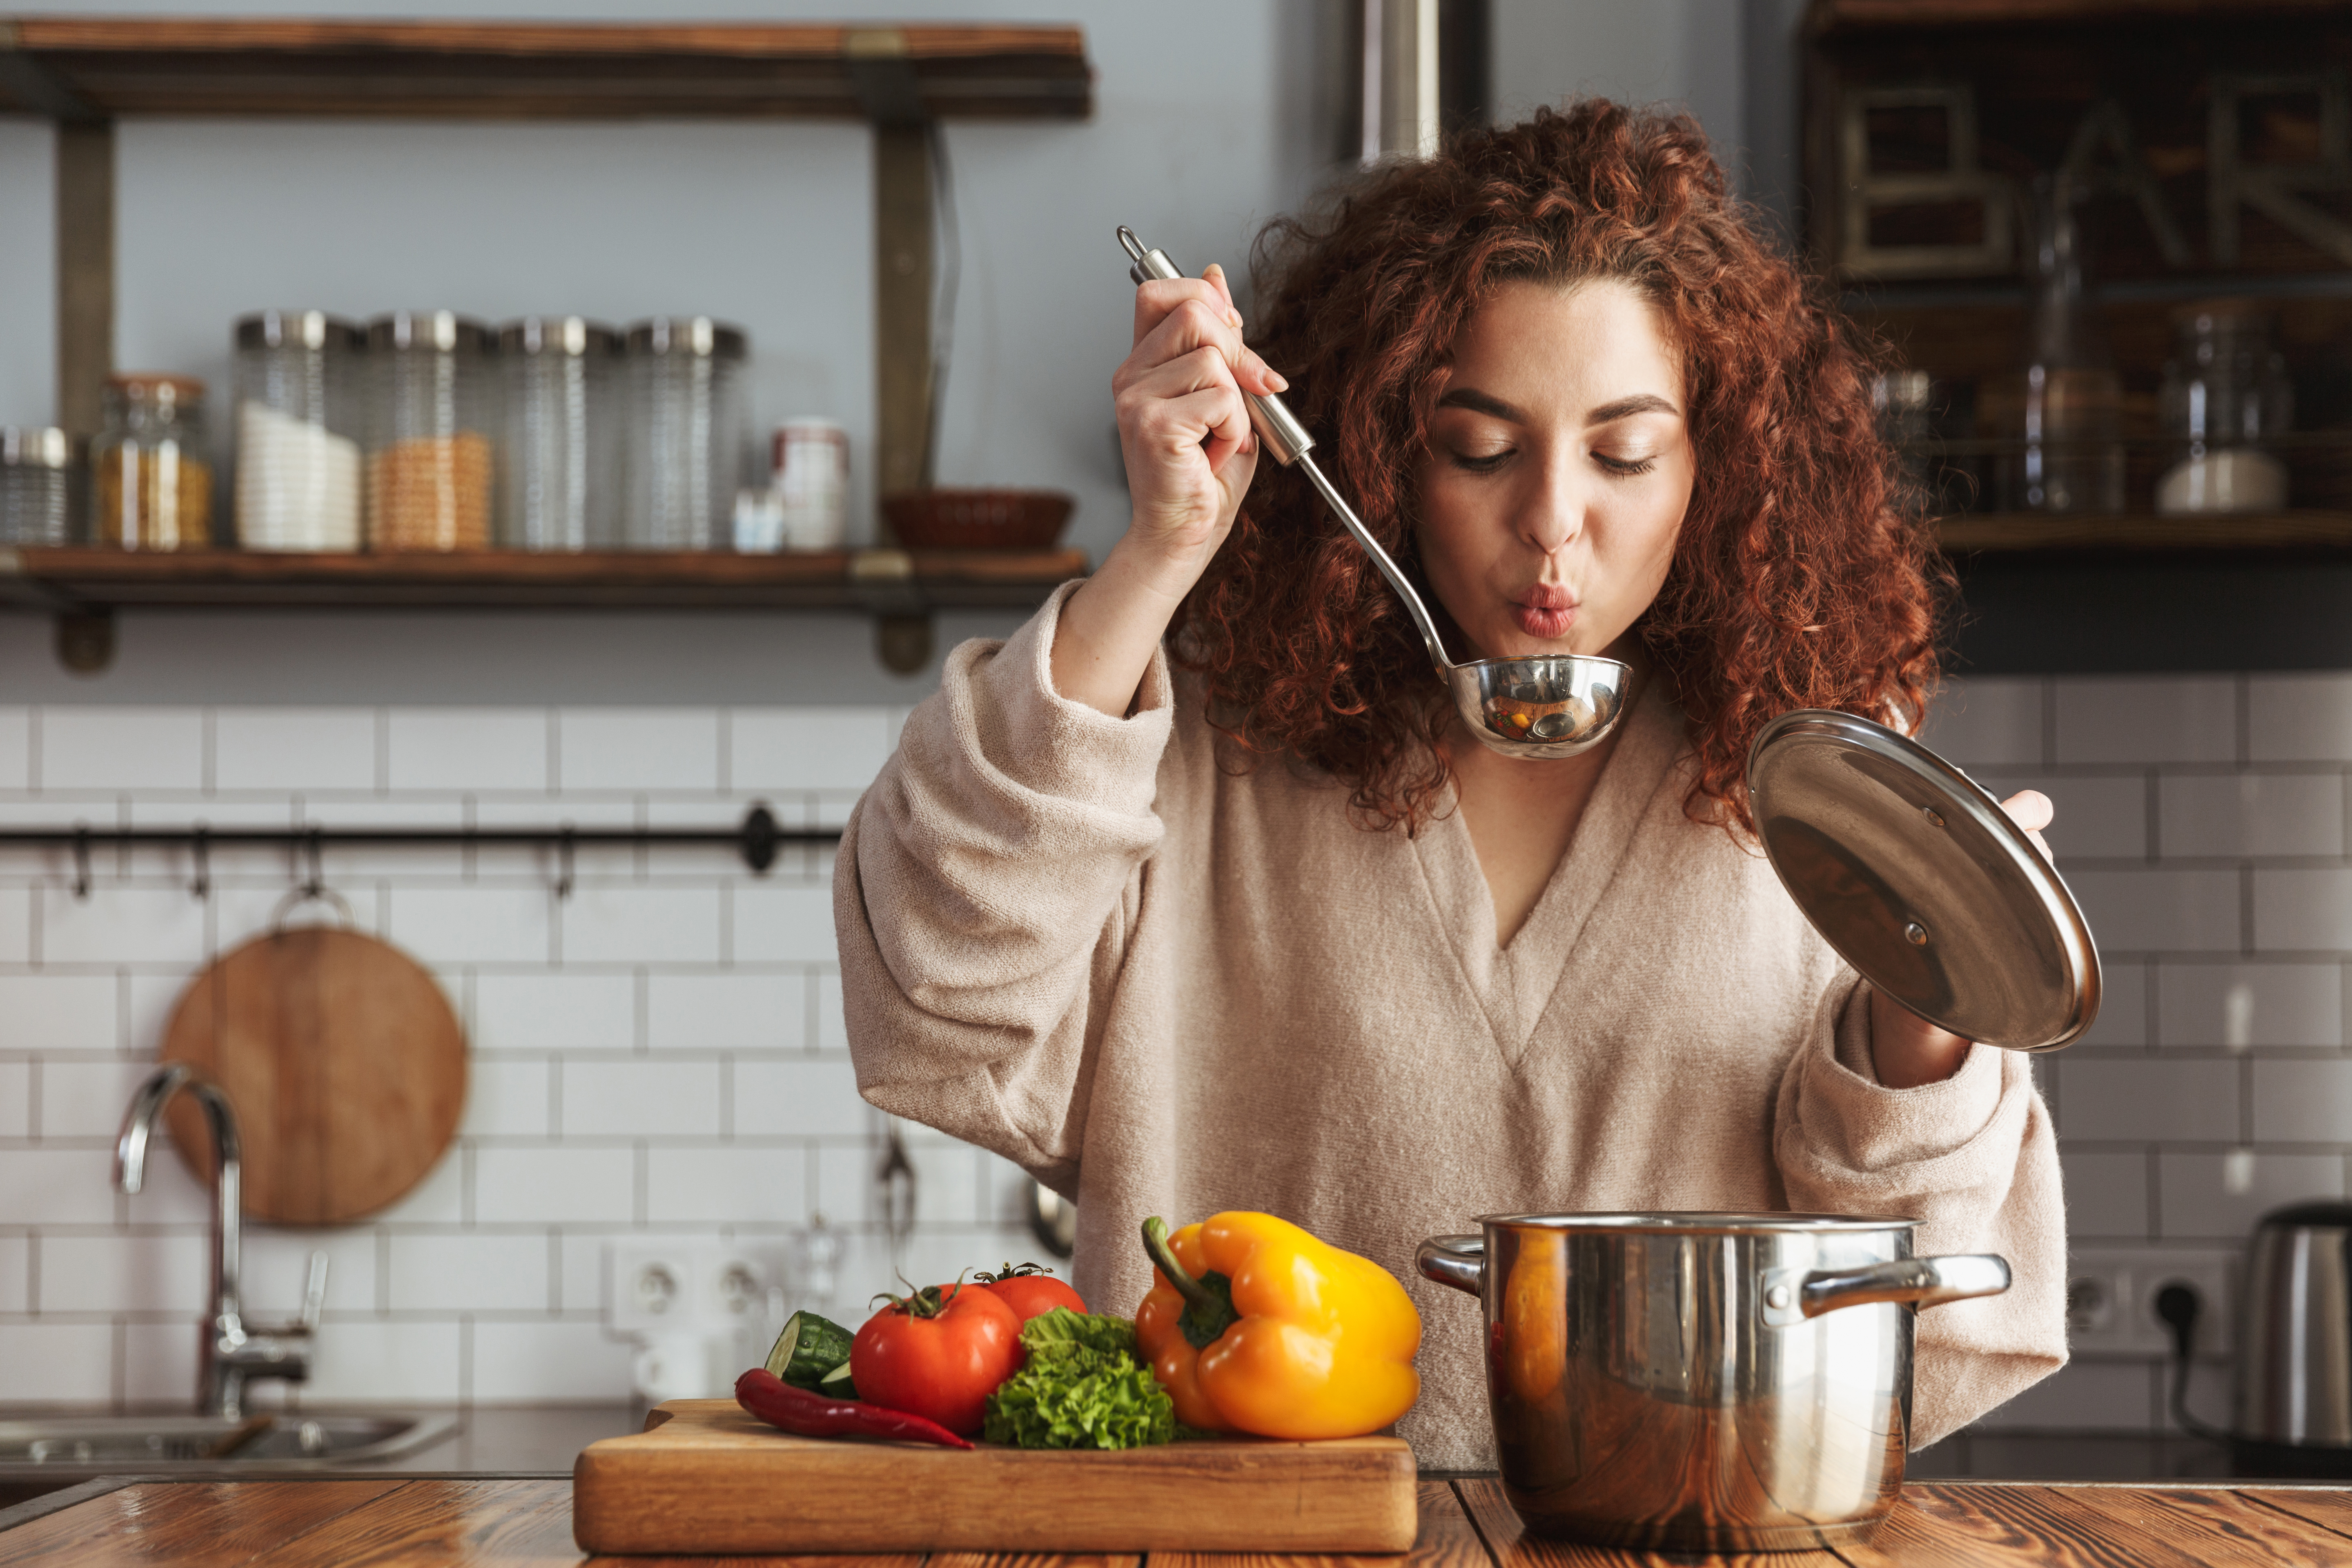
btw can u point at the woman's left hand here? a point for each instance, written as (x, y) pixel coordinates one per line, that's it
(1908, 1050)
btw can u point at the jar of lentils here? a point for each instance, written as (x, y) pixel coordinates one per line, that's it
(150, 473)
(430, 418)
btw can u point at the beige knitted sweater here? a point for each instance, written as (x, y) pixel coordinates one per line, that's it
(1162, 988)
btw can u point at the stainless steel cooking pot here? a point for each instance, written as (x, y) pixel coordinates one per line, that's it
(1701, 1381)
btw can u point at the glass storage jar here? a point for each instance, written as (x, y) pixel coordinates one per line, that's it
(2059, 418)
(430, 448)
(2225, 392)
(298, 432)
(35, 485)
(686, 430)
(560, 463)
(150, 474)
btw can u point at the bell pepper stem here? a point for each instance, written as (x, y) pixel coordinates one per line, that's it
(1163, 1257)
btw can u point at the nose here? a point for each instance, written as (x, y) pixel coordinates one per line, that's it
(1554, 516)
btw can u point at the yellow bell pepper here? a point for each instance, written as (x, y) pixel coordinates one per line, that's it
(1254, 1325)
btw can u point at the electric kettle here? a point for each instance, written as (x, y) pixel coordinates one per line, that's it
(2295, 1353)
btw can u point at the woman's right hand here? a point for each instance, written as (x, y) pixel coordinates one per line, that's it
(1183, 426)
(1185, 433)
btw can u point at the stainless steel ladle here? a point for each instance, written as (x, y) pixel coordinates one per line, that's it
(1552, 705)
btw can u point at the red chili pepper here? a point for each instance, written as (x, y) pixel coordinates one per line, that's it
(807, 1414)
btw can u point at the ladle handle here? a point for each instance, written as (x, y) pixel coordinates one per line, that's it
(1287, 439)
(1279, 428)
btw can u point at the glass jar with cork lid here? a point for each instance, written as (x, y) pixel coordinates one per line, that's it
(151, 469)
(431, 422)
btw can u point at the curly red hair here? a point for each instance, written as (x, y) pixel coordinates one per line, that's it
(1802, 577)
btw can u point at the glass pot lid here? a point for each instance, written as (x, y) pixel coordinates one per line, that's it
(1921, 882)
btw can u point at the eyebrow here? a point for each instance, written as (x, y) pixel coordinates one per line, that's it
(1480, 402)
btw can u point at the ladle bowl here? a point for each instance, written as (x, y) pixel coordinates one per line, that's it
(1555, 705)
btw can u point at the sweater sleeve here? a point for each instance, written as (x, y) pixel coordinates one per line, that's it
(1974, 1160)
(981, 892)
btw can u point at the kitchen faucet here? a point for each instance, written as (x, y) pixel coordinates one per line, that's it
(230, 1353)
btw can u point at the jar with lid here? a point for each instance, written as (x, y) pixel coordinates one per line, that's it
(687, 429)
(430, 446)
(35, 485)
(2225, 392)
(2059, 418)
(150, 473)
(298, 432)
(560, 464)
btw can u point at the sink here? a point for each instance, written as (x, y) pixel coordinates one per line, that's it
(163, 1442)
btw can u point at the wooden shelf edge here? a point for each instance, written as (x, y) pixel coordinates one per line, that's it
(1839, 18)
(2271, 532)
(881, 582)
(86, 66)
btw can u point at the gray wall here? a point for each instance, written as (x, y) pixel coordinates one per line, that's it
(1205, 128)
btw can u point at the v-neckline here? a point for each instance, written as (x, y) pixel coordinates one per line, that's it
(1514, 983)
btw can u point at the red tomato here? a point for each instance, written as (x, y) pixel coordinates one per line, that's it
(1030, 1294)
(940, 1353)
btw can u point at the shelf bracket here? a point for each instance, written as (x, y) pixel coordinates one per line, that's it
(883, 582)
(85, 178)
(36, 87)
(892, 95)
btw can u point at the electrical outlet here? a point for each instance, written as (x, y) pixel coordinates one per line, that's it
(651, 1287)
(2111, 1299)
(705, 1286)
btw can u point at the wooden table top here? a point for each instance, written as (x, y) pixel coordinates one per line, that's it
(512, 1522)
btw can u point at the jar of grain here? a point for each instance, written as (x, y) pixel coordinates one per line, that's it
(430, 448)
(560, 465)
(151, 475)
(35, 481)
(687, 432)
(298, 432)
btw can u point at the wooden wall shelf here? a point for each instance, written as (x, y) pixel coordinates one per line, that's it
(900, 589)
(2321, 532)
(882, 582)
(99, 67)
(87, 72)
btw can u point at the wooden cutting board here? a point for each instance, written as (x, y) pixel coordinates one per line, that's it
(705, 1477)
(345, 1064)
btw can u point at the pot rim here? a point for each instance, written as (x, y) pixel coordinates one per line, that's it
(1700, 1222)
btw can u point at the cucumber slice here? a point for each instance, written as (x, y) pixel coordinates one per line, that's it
(809, 1348)
(836, 1384)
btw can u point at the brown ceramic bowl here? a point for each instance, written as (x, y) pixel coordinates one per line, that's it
(978, 520)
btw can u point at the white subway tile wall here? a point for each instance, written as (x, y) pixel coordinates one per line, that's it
(661, 1055)
(2201, 821)
(658, 1057)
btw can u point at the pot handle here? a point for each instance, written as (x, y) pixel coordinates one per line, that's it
(1792, 1295)
(1456, 1260)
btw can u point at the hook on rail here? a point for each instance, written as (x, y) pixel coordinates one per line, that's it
(81, 860)
(200, 846)
(565, 833)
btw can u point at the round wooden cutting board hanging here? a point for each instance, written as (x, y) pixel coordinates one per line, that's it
(345, 1063)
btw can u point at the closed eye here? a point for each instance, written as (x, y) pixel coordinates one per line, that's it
(1483, 464)
(1625, 465)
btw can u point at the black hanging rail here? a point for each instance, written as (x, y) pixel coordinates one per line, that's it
(757, 838)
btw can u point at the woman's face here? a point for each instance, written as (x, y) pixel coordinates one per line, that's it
(1559, 470)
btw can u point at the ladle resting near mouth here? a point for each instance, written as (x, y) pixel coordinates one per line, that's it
(1538, 708)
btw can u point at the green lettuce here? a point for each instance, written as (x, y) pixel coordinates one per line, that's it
(1082, 1387)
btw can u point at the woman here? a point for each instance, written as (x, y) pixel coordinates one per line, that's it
(1194, 895)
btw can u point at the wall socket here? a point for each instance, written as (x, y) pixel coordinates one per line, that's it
(2111, 1299)
(653, 1287)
